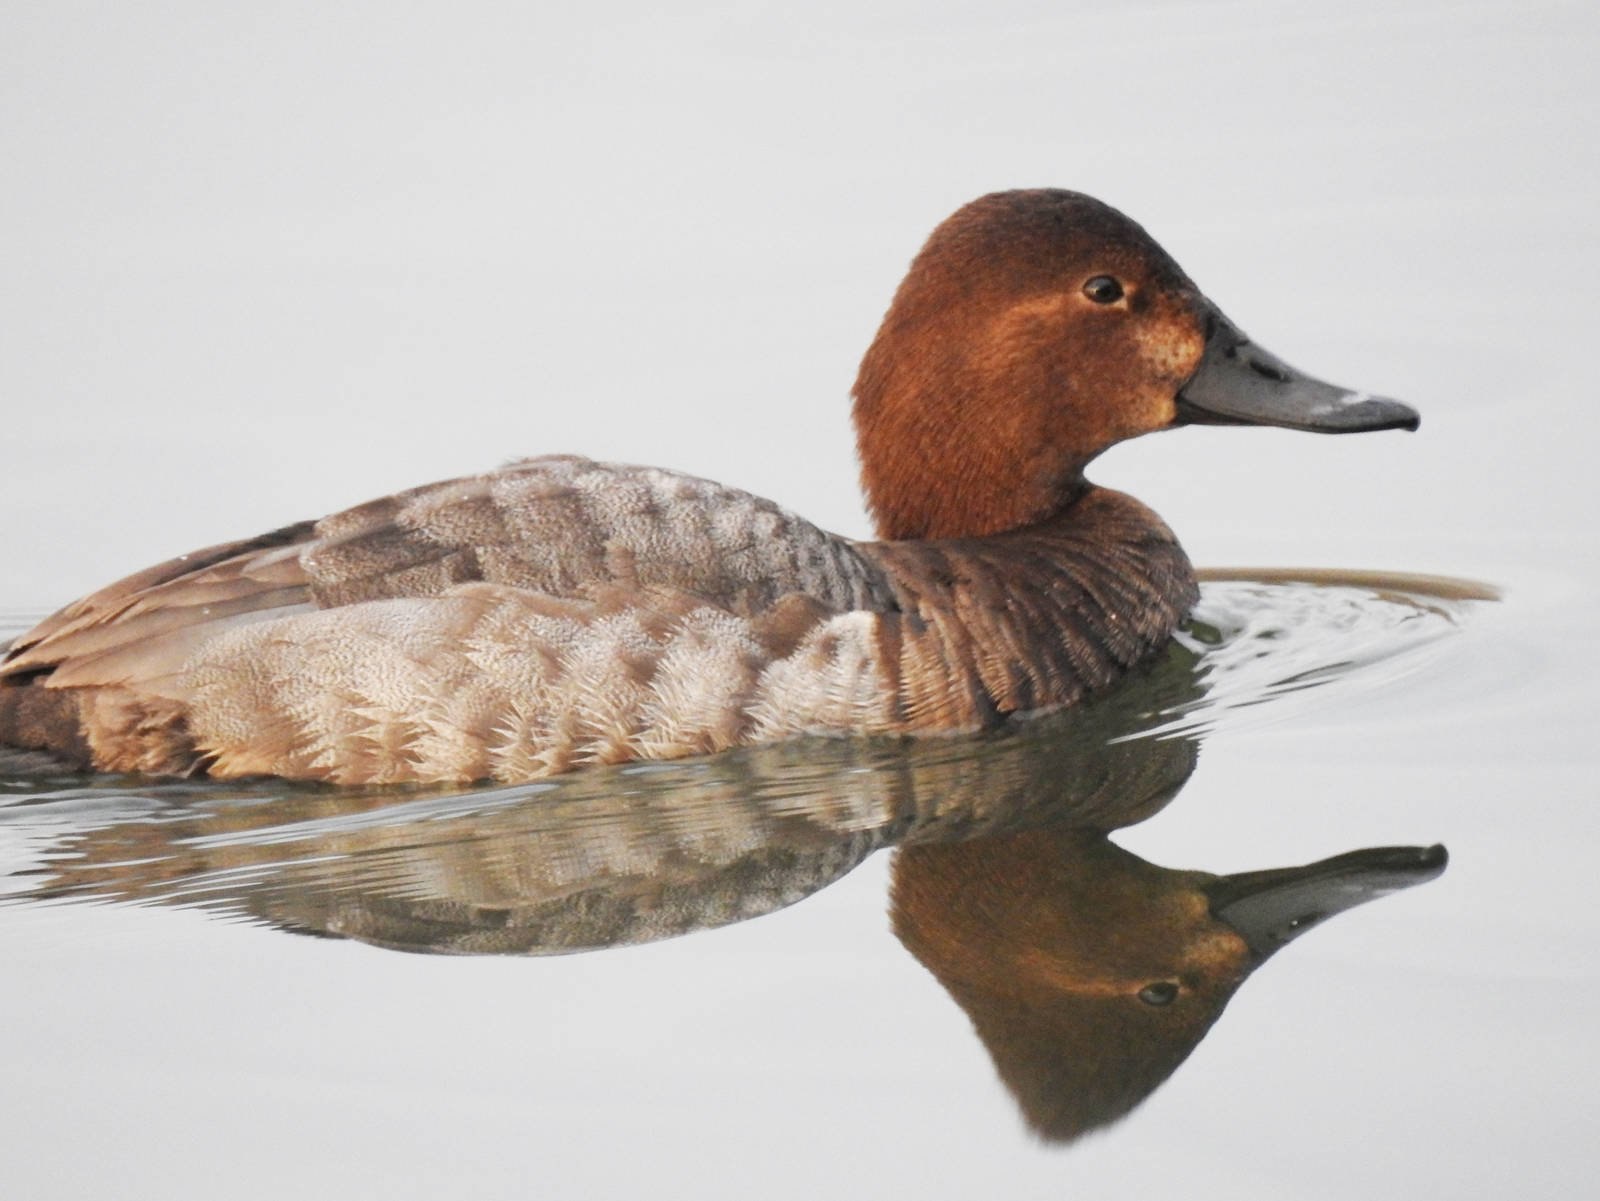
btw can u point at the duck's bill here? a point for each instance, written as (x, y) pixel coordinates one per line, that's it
(1239, 383)
(1270, 909)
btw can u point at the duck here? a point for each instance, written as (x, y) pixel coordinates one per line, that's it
(559, 613)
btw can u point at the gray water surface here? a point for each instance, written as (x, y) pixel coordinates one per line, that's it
(722, 957)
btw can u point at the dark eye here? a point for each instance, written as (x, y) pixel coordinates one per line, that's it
(1162, 992)
(1102, 289)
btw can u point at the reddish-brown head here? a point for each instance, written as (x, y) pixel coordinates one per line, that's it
(1034, 330)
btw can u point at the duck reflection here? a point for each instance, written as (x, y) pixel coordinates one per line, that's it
(1088, 973)
(1091, 974)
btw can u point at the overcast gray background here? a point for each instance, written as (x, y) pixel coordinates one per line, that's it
(260, 262)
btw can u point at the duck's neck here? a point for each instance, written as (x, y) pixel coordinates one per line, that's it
(1032, 618)
(967, 497)
(964, 426)
(940, 475)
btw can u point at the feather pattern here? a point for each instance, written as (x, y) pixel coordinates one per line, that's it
(560, 613)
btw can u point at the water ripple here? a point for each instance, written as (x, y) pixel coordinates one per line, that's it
(779, 820)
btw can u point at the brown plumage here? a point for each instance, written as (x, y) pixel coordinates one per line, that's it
(559, 612)
(994, 379)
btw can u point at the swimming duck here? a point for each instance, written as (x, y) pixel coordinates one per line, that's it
(559, 612)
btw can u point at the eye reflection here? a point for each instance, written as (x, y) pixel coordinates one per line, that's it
(1162, 992)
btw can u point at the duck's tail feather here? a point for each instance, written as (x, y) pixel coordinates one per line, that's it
(41, 730)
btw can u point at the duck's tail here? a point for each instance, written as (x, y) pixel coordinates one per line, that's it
(41, 730)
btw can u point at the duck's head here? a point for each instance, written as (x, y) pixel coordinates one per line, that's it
(1034, 330)
(1091, 974)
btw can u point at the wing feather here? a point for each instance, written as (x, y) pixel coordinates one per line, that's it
(559, 526)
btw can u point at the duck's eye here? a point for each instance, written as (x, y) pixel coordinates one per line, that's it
(1162, 992)
(1102, 289)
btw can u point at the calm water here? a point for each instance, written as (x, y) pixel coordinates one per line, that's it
(720, 961)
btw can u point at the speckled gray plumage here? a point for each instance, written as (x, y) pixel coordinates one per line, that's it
(559, 612)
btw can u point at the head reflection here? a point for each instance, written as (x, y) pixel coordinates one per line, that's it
(1089, 973)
